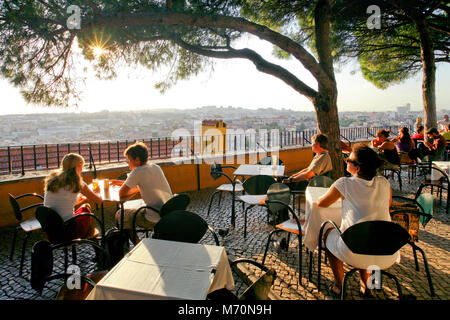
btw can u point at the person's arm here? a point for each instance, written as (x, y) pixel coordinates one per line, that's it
(330, 197)
(304, 175)
(387, 145)
(126, 192)
(90, 195)
(288, 180)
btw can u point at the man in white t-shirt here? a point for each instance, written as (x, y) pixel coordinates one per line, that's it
(443, 124)
(147, 179)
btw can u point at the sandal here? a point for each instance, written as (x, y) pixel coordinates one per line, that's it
(334, 290)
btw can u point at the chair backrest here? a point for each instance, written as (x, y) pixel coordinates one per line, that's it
(281, 192)
(15, 206)
(216, 171)
(258, 184)
(177, 202)
(426, 202)
(180, 225)
(375, 237)
(320, 181)
(268, 161)
(51, 223)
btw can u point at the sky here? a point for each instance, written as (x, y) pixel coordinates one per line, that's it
(236, 83)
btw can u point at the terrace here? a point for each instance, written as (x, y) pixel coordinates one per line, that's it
(195, 180)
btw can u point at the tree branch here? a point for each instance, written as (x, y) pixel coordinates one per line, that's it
(260, 63)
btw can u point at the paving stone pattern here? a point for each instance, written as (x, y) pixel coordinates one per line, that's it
(434, 240)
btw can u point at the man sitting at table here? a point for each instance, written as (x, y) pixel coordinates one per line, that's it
(435, 150)
(147, 179)
(320, 164)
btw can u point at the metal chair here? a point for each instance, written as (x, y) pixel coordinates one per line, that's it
(255, 189)
(234, 186)
(258, 290)
(182, 226)
(299, 188)
(368, 238)
(278, 198)
(57, 231)
(28, 226)
(409, 213)
(42, 272)
(442, 184)
(268, 161)
(177, 202)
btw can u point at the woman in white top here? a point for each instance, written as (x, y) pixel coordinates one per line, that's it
(365, 197)
(62, 190)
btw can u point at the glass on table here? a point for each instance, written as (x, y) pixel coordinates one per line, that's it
(95, 184)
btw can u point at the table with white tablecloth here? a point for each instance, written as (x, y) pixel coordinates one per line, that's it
(444, 166)
(161, 269)
(315, 215)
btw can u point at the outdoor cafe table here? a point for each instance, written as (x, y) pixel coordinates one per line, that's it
(443, 165)
(160, 269)
(315, 215)
(109, 194)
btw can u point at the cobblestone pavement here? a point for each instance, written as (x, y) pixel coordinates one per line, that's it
(434, 240)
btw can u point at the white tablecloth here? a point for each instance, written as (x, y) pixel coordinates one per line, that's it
(257, 169)
(160, 269)
(315, 215)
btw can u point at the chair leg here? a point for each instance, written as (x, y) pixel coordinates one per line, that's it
(74, 255)
(300, 259)
(268, 243)
(344, 283)
(13, 244)
(319, 262)
(397, 283)
(22, 259)
(66, 259)
(211, 200)
(415, 257)
(220, 197)
(311, 260)
(427, 270)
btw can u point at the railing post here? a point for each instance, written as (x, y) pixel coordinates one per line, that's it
(9, 160)
(166, 148)
(99, 153)
(21, 157)
(159, 148)
(46, 156)
(34, 157)
(57, 154)
(109, 152)
(118, 151)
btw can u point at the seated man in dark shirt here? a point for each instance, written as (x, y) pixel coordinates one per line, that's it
(434, 148)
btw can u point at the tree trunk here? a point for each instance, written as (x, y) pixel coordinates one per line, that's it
(326, 101)
(429, 74)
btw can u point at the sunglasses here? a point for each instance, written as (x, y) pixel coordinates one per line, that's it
(354, 162)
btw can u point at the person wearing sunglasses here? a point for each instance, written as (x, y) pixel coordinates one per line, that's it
(365, 196)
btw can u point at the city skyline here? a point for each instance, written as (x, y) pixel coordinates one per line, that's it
(236, 83)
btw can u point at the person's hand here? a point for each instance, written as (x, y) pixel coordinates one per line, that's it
(80, 200)
(116, 182)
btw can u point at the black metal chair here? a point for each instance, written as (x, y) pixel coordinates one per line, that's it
(409, 213)
(182, 226)
(42, 272)
(279, 201)
(368, 238)
(177, 202)
(320, 181)
(254, 188)
(28, 226)
(258, 290)
(56, 231)
(234, 186)
(298, 188)
(268, 161)
(442, 184)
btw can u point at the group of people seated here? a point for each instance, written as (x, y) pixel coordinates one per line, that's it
(64, 188)
(365, 195)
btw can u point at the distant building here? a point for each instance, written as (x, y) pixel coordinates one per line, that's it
(404, 109)
(214, 136)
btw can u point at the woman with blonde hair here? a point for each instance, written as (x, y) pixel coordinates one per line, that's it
(62, 190)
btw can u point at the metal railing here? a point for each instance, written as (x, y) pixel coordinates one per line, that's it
(23, 158)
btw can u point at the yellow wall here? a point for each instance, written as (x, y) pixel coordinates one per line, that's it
(181, 177)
